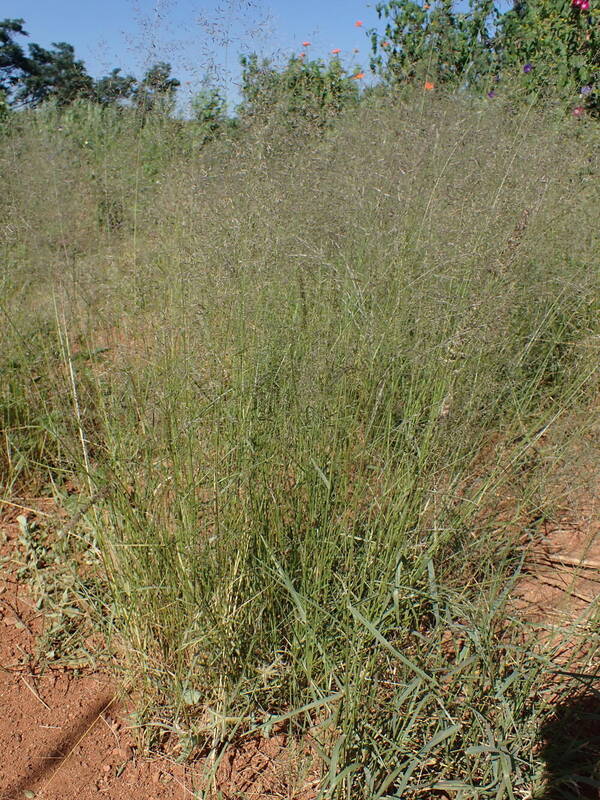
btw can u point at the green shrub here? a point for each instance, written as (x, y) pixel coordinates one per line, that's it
(304, 91)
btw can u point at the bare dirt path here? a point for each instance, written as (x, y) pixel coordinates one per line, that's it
(63, 733)
(561, 586)
(560, 595)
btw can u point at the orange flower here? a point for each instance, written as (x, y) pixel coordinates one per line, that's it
(302, 55)
(429, 85)
(305, 44)
(426, 6)
(385, 44)
(358, 24)
(336, 51)
(358, 76)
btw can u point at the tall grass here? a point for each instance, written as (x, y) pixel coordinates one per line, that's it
(311, 380)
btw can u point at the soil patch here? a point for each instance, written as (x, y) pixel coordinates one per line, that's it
(66, 734)
(562, 569)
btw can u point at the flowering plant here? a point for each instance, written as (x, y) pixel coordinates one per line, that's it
(559, 36)
(541, 45)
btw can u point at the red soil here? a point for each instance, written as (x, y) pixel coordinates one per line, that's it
(64, 734)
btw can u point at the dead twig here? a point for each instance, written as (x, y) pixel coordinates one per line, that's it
(565, 589)
(25, 508)
(569, 561)
(35, 694)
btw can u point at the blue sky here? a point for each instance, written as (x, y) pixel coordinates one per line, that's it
(196, 37)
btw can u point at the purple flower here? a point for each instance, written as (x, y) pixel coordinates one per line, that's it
(586, 90)
(527, 68)
(491, 94)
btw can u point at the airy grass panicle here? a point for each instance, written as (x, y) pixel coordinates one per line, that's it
(312, 381)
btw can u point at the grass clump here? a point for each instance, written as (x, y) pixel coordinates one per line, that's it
(311, 384)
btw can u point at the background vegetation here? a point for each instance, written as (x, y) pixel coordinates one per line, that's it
(543, 49)
(316, 371)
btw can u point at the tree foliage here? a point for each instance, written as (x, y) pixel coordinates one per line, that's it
(13, 61)
(33, 76)
(559, 38)
(54, 75)
(423, 39)
(209, 112)
(156, 91)
(114, 88)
